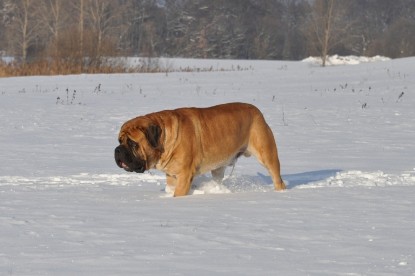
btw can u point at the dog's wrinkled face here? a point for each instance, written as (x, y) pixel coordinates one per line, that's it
(139, 148)
(128, 156)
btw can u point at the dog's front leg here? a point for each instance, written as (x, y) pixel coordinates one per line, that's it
(184, 182)
(171, 182)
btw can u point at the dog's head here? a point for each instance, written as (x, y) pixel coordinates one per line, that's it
(140, 147)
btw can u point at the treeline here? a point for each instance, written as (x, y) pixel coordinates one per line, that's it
(81, 32)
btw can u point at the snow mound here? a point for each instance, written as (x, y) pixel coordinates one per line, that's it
(345, 60)
(232, 184)
(367, 179)
(210, 187)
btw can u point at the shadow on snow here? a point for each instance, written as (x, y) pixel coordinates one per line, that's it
(259, 182)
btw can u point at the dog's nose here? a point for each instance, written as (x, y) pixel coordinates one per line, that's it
(117, 156)
(119, 151)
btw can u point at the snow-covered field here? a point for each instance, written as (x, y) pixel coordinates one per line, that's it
(346, 142)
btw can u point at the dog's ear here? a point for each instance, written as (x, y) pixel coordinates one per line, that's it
(153, 133)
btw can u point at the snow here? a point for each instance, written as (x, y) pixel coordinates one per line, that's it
(345, 136)
(345, 60)
(6, 59)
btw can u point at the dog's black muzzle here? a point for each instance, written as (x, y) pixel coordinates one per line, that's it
(126, 160)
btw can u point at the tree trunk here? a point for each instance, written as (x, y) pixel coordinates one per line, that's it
(25, 22)
(327, 32)
(81, 35)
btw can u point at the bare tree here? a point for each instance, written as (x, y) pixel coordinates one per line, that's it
(78, 31)
(104, 17)
(146, 28)
(25, 25)
(56, 18)
(3, 20)
(81, 30)
(328, 26)
(399, 39)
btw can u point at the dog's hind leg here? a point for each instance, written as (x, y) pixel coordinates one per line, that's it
(262, 145)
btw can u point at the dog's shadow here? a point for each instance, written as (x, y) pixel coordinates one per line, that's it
(304, 178)
(259, 182)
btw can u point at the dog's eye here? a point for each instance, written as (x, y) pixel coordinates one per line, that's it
(132, 144)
